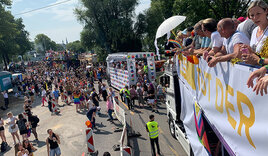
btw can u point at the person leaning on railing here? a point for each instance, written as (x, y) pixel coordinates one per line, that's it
(262, 81)
(231, 43)
(258, 50)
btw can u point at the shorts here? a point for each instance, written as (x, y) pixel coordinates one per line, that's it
(55, 152)
(140, 99)
(23, 132)
(76, 101)
(2, 128)
(69, 93)
(151, 101)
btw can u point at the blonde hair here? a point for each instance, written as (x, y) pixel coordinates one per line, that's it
(258, 3)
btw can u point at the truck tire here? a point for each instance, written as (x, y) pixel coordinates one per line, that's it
(191, 151)
(171, 127)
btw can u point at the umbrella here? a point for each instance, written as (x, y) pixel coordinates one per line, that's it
(165, 28)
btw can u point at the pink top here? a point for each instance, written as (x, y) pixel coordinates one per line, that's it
(109, 105)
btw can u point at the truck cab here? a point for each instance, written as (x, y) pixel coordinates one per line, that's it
(173, 104)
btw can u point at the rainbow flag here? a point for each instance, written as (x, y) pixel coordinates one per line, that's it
(200, 128)
(176, 43)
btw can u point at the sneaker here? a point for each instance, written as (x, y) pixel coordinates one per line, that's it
(108, 119)
(157, 111)
(153, 111)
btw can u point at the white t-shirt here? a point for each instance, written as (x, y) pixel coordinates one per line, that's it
(5, 95)
(216, 39)
(237, 38)
(258, 41)
(90, 104)
(44, 92)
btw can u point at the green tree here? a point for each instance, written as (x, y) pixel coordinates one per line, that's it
(76, 46)
(59, 47)
(109, 25)
(43, 42)
(196, 10)
(22, 38)
(13, 37)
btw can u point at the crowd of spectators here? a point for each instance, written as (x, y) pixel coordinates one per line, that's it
(237, 40)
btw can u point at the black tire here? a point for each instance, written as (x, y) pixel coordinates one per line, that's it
(171, 127)
(191, 151)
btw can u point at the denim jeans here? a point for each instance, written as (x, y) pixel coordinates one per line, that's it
(92, 122)
(55, 152)
(110, 112)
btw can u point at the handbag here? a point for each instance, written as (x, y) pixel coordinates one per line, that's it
(13, 127)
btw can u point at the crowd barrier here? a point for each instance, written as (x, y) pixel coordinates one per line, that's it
(120, 114)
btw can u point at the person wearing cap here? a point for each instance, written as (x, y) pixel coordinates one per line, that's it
(152, 128)
(247, 26)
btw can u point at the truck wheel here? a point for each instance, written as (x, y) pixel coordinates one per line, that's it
(171, 127)
(191, 151)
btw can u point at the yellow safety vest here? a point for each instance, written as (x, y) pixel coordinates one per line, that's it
(127, 93)
(153, 129)
(145, 68)
(121, 90)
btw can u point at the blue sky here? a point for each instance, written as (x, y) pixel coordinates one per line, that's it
(57, 22)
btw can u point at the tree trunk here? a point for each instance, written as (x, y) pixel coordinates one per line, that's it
(4, 59)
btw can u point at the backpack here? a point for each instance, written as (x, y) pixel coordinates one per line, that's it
(21, 125)
(36, 119)
(3, 146)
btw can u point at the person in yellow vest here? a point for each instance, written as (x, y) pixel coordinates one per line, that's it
(127, 98)
(121, 92)
(152, 128)
(145, 68)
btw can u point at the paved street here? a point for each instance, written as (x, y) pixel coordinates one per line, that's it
(71, 128)
(141, 145)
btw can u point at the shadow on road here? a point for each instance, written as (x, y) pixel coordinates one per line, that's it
(103, 115)
(39, 144)
(102, 132)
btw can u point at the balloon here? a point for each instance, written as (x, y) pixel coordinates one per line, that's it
(88, 124)
(190, 58)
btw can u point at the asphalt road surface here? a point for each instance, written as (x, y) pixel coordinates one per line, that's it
(70, 126)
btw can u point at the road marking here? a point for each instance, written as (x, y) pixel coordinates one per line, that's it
(173, 151)
(131, 112)
(160, 130)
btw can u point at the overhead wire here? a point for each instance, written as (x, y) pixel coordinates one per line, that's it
(42, 8)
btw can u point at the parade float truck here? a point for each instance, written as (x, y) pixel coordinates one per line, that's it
(211, 111)
(127, 68)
